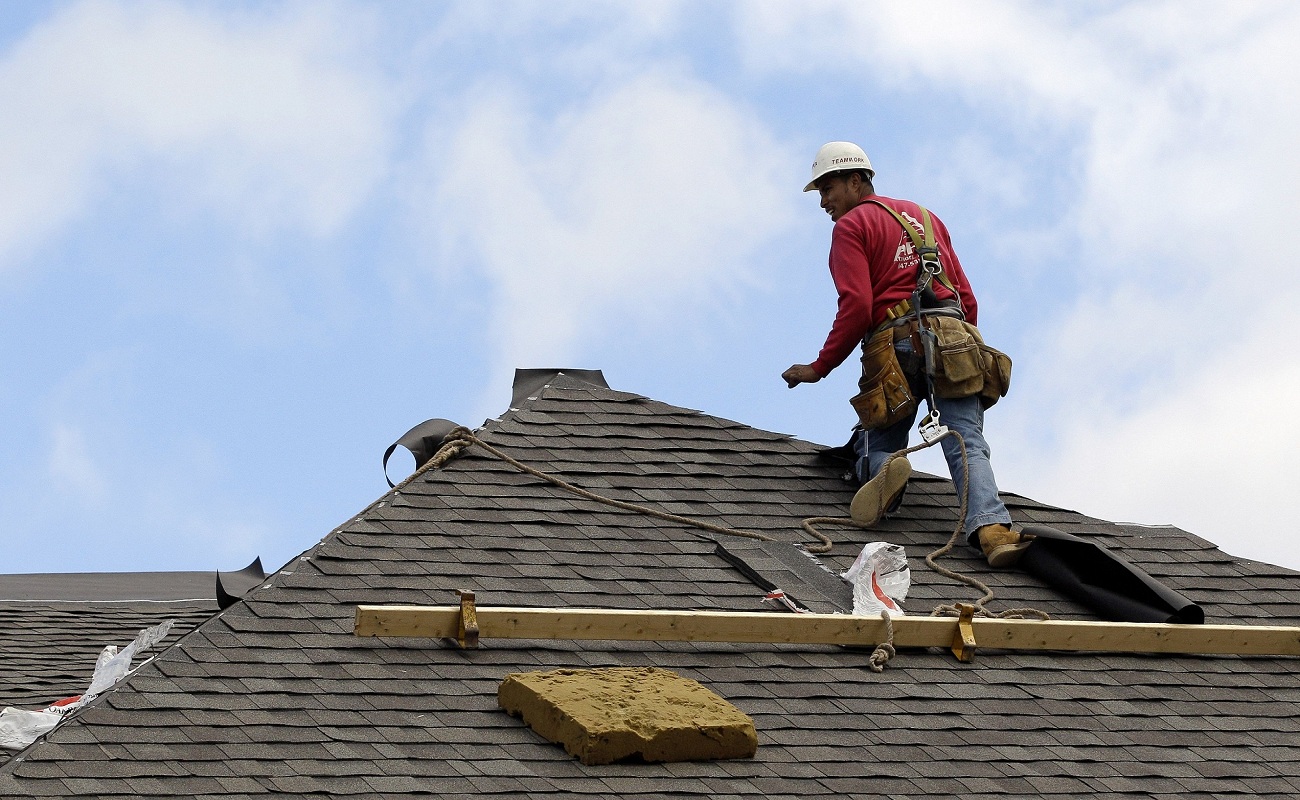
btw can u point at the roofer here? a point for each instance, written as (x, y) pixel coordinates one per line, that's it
(886, 253)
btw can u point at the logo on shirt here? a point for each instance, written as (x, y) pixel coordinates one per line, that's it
(905, 256)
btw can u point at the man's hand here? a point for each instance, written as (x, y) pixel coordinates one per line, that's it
(800, 373)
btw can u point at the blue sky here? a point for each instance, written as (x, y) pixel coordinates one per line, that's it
(243, 247)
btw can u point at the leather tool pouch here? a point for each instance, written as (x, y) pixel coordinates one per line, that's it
(883, 395)
(964, 364)
(997, 375)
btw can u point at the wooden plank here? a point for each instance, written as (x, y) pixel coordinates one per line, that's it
(681, 626)
(1127, 637)
(416, 621)
(839, 629)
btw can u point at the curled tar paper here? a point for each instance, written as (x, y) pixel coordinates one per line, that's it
(880, 578)
(20, 727)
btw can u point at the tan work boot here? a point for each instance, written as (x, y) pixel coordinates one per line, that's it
(878, 494)
(1002, 546)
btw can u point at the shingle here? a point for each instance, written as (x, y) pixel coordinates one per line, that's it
(50, 646)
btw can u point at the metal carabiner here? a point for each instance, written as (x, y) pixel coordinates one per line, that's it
(930, 266)
(930, 428)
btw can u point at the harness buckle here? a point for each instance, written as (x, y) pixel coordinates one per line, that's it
(930, 268)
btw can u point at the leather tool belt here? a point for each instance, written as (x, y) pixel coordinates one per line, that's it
(964, 366)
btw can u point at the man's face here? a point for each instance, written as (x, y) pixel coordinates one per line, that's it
(839, 194)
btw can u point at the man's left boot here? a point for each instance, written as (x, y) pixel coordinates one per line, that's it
(1002, 546)
(880, 495)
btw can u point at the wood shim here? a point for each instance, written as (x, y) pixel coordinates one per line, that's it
(839, 629)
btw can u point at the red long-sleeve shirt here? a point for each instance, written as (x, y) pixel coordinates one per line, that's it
(874, 267)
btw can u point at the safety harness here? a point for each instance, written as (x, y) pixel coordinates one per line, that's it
(931, 269)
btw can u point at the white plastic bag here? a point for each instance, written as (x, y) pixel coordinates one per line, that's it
(19, 727)
(113, 664)
(880, 578)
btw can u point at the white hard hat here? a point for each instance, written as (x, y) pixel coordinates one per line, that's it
(836, 156)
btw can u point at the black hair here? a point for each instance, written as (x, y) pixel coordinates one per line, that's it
(862, 173)
(843, 174)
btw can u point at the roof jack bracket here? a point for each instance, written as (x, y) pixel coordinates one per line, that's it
(963, 640)
(467, 625)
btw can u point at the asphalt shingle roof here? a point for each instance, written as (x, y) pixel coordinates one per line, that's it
(275, 694)
(53, 626)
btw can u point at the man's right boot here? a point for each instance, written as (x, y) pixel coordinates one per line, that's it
(878, 495)
(1002, 546)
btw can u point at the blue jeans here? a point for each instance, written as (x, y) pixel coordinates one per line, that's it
(965, 415)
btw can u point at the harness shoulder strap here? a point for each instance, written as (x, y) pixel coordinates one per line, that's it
(923, 243)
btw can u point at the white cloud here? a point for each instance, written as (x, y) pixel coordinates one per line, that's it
(585, 39)
(1216, 456)
(225, 537)
(110, 498)
(1144, 399)
(268, 118)
(70, 465)
(648, 197)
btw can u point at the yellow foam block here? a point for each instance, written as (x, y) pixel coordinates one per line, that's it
(606, 715)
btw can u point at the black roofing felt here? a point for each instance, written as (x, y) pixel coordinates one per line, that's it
(275, 694)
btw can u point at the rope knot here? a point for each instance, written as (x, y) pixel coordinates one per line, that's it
(885, 650)
(880, 657)
(454, 443)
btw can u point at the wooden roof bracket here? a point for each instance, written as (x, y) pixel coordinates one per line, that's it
(963, 641)
(466, 623)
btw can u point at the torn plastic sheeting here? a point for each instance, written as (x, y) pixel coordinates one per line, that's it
(114, 664)
(880, 578)
(1103, 580)
(20, 727)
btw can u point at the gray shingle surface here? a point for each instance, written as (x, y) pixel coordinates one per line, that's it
(53, 626)
(275, 695)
